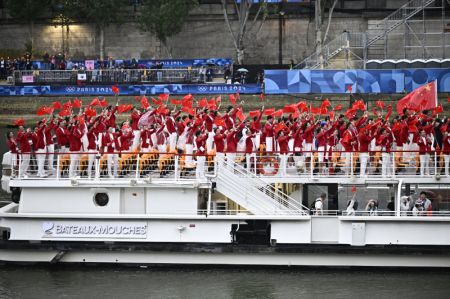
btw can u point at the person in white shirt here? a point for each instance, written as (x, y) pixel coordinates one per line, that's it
(318, 204)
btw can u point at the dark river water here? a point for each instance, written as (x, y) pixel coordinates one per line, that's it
(123, 282)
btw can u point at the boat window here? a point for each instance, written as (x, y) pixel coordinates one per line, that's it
(382, 194)
(438, 194)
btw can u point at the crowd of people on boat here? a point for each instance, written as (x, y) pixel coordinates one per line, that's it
(298, 134)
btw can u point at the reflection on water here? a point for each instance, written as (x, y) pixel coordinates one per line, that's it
(104, 282)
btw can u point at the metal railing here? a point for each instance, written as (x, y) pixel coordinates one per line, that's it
(358, 213)
(108, 76)
(306, 164)
(112, 166)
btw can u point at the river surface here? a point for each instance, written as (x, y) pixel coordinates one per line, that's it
(124, 282)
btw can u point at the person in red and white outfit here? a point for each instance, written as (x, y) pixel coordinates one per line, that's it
(424, 143)
(76, 146)
(40, 149)
(446, 152)
(110, 144)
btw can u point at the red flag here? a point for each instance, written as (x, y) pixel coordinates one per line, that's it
(438, 109)
(448, 100)
(278, 113)
(95, 102)
(337, 108)
(375, 112)
(77, 103)
(175, 102)
(302, 106)
(359, 105)
(331, 114)
(269, 111)
(67, 105)
(212, 105)
(279, 127)
(219, 99)
(164, 97)
(290, 108)
(91, 112)
(157, 102)
(232, 99)
(57, 105)
(161, 109)
(188, 110)
(187, 97)
(64, 112)
(219, 122)
(380, 104)
(316, 110)
(254, 113)
(354, 189)
(349, 89)
(45, 110)
(124, 108)
(325, 104)
(261, 96)
(202, 103)
(350, 113)
(144, 103)
(103, 103)
(422, 98)
(241, 115)
(389, 112)
(19, 122)
(115, 89)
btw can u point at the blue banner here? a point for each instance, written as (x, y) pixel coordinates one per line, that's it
(128, 90)
(149, 63)
(358, 81)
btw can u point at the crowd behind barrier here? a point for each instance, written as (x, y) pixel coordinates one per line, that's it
(51, 69)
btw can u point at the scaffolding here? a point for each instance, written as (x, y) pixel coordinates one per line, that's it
(420, 29)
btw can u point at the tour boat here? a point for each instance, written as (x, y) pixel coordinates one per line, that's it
(159, 209)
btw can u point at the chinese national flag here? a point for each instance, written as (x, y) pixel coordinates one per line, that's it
(422, 98)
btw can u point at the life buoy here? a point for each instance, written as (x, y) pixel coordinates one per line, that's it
(268, 161)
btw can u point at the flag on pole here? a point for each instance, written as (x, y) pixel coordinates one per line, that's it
(422, 98)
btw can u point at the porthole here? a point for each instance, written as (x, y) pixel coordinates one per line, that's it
(101, 199)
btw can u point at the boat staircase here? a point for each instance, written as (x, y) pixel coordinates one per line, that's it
(373, 39)
(253, 193)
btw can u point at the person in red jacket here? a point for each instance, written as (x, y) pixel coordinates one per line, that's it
(384, 141)
(446, 152)
(364, 138)
(40, 149)
(219, 143)
(50, 147)
(171, 127)
(24, 141)
(231, 147)
(283, 141)
(62, 137)
(135, 117)
(110, 145)
(76, 134)
(249, 149)
(91, 148)
(200, 142)
(424, 143)
(268, 132)
(13, 149)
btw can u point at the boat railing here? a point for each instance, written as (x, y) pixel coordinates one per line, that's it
(171, 165)
(379, 213)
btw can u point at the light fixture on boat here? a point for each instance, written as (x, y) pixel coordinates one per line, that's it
(437, 176)
(148, 180)
(133, 182)
(181, 228)
(74, 182)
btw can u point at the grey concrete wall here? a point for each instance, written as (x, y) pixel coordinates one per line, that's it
(204, 35)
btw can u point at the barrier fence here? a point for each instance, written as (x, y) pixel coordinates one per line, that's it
(109, 76)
